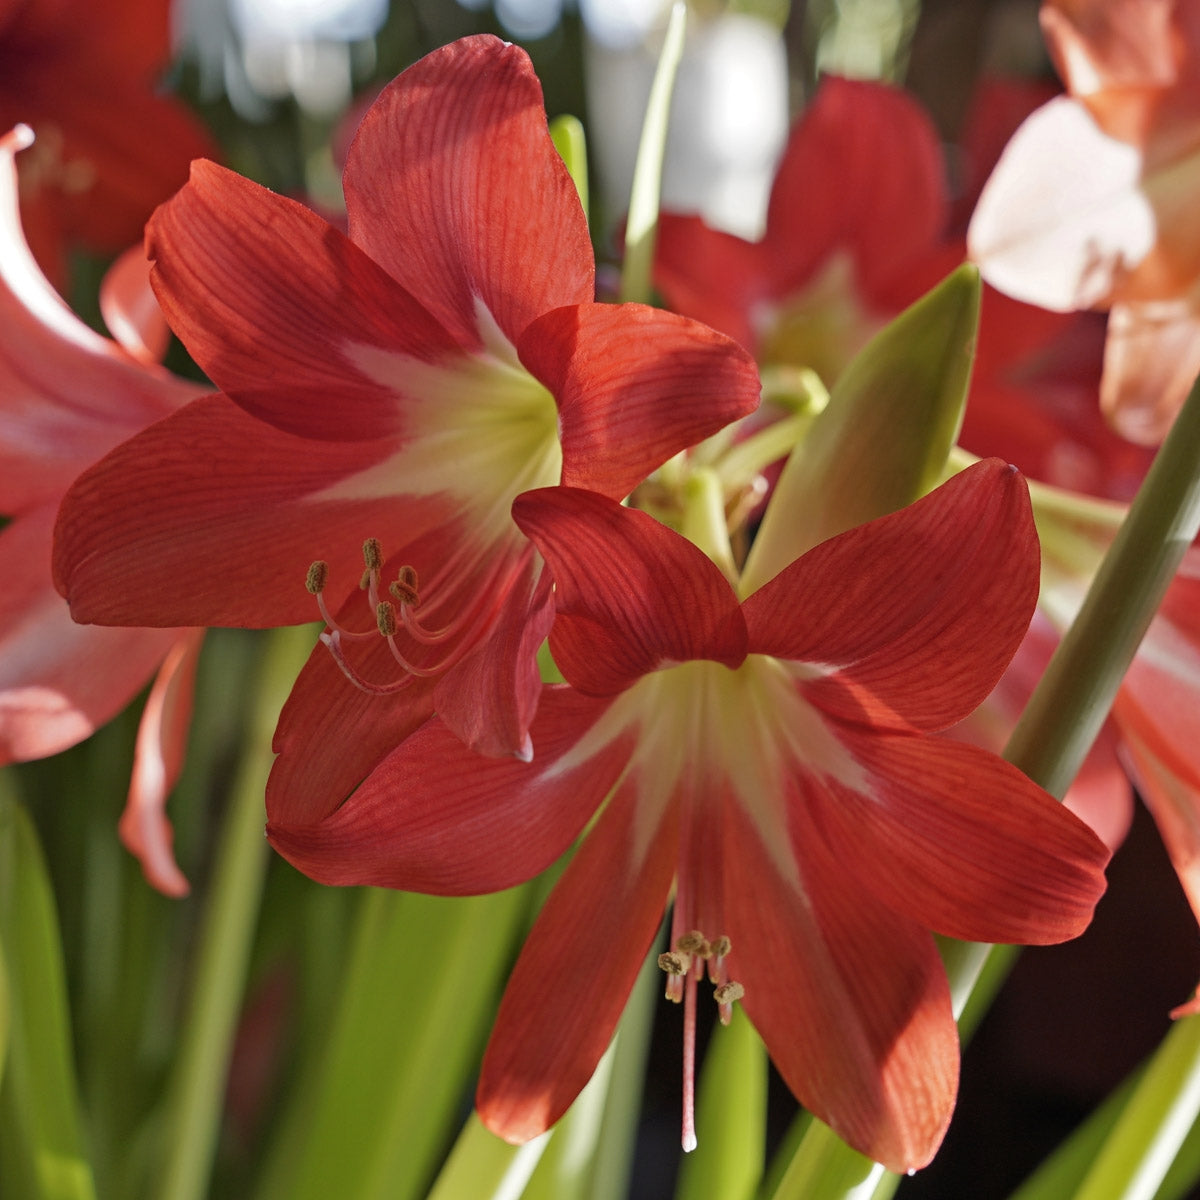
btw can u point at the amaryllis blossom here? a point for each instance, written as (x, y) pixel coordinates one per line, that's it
(66, 396)
(768, 759)
(861, 225)
(856, 216)
(1093, 203)
(111, 144)
(388, 394)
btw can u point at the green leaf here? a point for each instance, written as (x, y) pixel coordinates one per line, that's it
(731, 1117)
(41, 1146)
(373, 1116)
(482, 1167)
(883, 439)
(1153, 1124)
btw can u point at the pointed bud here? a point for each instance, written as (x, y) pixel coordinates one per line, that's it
(883, 439)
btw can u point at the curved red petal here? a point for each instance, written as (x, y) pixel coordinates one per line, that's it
(849, 996)
(434, 817)
(910, 620)
(489, 699)
(284, 313)
(331, 735)
(157, 761)
(58, 681)
(211, 517)
(961, 841)
(454, 187)
(712, 276)
(862, 171)
(632, 594)
(635, 385)
(574, 975)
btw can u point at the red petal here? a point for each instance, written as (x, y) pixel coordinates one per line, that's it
(635, 385)
(158, 759)
(213, 518)
(332, 735)
(850, 997)
(632, 594)
(434, 817)
(489, 699)
(454, 187)
(962, 842)
(280, 309)
(712, 276)
(130, 308)
(912, 618)
(570, 984)
(862, 170)
(58, 681)
(66, 393)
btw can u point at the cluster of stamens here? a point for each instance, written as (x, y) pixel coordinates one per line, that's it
(685, 964)
(394, 617)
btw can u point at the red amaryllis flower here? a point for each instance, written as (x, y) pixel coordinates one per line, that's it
(1093, 203)
(771, 758)
(856, 213)
(67, 395)
(110, 144)
(396, 389)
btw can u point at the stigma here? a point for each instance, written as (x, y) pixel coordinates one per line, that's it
(424, 637)
(691, 958)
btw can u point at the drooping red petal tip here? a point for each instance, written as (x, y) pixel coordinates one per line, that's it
(1188, 1009)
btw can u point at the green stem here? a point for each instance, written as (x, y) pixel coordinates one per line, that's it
(1073, 698)
(641, 226)
(198, 1081)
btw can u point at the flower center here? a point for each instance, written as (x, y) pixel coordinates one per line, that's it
(822, 327)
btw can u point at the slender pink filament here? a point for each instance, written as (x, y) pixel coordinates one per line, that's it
(689, 1058)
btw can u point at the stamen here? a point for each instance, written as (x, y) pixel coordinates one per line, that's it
(397, 616)
(676, 967)
(684, 966)
(725, 995)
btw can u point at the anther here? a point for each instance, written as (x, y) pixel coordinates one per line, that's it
(729, 992)
(385, 618)
(372, 554)
(404, 587)
(721, 946)
(317, 576)
(672, 963)
(693, 943)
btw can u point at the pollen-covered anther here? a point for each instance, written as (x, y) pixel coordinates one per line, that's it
(404, 588)
(317, 577)
(373, 558)
(726, 995)
(676, 967)
(693, 943)
(385, 618)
